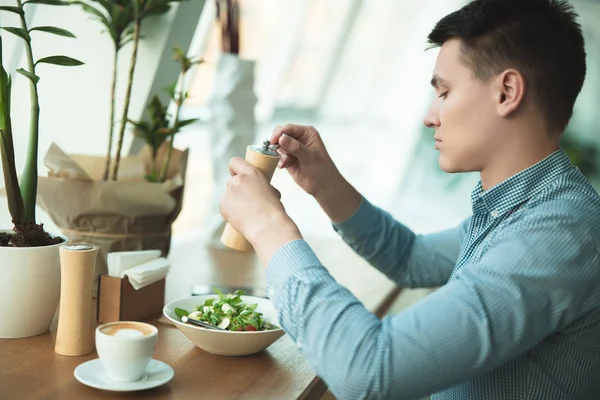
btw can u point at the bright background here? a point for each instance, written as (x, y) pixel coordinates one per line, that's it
(356, 70)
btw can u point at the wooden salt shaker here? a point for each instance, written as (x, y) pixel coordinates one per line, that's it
(265, 158)
(75, 332)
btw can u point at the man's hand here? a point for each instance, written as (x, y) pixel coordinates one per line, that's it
(304, 155)
(252, 206)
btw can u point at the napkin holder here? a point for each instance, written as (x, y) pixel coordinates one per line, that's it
(119, 301)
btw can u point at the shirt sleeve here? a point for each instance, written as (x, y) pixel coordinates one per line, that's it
(408, 259)
(522, 290)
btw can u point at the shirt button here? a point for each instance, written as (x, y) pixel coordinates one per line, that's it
(495, 214)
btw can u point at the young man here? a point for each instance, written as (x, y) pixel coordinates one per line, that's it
(518, 313)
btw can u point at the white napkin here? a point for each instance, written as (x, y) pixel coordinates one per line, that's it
(120, 261)
(147, 273)
(141, 267)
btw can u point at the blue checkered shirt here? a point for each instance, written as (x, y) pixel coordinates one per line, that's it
(517, 314)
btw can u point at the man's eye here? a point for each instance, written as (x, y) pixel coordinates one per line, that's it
(443, 95)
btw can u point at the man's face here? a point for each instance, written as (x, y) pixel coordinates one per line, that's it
(463, 113)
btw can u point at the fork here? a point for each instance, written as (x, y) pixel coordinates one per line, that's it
(200, 323)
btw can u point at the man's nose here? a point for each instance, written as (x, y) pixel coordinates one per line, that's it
(432, 119)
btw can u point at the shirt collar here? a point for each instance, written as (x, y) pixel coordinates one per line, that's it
(521, 186)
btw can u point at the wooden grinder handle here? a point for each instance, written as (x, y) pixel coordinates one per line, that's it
(266, 164)
(75, 332)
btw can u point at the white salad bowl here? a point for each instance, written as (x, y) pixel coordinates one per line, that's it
(226, 343)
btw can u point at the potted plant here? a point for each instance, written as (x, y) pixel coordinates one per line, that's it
(30, 284)
(117, 17)
(159, 131)
(117, 203)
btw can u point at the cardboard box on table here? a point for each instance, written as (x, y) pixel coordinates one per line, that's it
(119, 301)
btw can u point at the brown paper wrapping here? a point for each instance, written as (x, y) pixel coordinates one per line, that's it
(128, 214)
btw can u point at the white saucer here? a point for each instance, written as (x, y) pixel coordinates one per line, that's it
(91, 373)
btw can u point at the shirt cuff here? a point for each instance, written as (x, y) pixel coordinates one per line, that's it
(355, 227)
(290, 259)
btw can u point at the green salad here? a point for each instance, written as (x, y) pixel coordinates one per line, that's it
(228, 312)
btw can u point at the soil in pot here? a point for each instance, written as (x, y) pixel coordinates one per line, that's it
(32, 235)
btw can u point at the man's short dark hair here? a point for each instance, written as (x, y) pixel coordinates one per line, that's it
(540, 38)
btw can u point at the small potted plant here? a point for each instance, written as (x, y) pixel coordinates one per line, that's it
(30, 267)
(159, 131)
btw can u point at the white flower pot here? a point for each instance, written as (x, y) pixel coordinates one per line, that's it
(29, 289)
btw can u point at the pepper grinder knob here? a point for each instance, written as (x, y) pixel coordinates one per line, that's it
(75, 332)
(265, 158)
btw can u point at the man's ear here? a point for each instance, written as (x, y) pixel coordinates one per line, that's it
(510, 91)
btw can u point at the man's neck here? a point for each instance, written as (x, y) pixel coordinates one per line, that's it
(515, 159)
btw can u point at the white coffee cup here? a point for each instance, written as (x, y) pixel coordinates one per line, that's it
(125, 349)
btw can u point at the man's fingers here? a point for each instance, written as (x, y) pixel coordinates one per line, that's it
(298, 132)
(291, 146)
(285, 160)
(277, 131)
(283, 157)
(238, 165)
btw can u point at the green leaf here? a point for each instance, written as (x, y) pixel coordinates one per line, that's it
(155, 7)
(34, 78)
(156, 10)
(130, 31)
(20, 32)
(252, 321)
(217, 291)
(178, 54)
(95, 12)
(47, 2)
(122, 19)
(209, 302)
(181, 124)
(171, 89)
(60, 60)
(180, 312)
(125, 41)
(152, 178)
(105, 4)
(14, 9)
(54, 30)
(136, 7)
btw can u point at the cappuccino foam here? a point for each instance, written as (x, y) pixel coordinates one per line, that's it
(127, 330)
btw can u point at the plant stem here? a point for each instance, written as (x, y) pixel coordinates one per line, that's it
(136, 39)
(167, 159)
(30, 173)
(7, 150)
(112, 115)
(11, 183)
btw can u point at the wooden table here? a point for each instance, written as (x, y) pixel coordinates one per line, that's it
(30, 369)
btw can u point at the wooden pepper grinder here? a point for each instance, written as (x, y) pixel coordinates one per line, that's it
(265, 158)
(75, 332)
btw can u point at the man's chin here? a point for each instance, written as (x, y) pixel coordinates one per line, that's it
(447, 166)
(452, 167)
